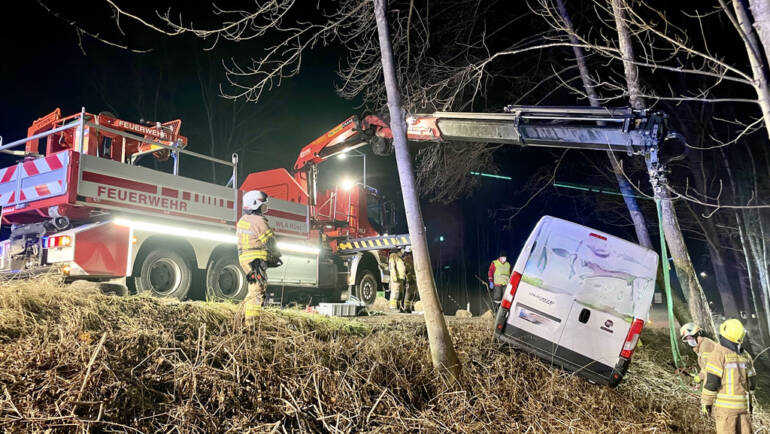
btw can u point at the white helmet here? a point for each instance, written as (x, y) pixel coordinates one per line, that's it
(255, 200)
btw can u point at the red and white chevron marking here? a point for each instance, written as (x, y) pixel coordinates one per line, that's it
(37, 180)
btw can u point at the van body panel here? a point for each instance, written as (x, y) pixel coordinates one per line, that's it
(580, 291)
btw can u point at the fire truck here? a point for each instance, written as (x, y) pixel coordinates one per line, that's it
(79, 204)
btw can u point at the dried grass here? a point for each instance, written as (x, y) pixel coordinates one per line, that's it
(73, 360)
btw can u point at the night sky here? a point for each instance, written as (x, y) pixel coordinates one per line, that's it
(43, 67)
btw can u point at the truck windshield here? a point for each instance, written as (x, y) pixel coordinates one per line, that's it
(374, 212)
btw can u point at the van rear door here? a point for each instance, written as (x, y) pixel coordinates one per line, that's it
(614, 282)
(543, 302)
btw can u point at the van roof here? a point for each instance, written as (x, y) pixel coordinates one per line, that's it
(562, 222)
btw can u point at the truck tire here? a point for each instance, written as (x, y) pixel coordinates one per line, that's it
(225, 280)
(164, 273)
(366, 288)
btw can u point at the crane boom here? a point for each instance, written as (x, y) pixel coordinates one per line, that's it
(588, 128)
(635, 132)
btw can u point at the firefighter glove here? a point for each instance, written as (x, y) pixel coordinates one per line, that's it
(705, 409)
(696, 378)
(491, 285)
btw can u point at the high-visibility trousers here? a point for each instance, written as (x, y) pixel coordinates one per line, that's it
(411, 291)
(252, 304)
(731, 422)
(395, 294)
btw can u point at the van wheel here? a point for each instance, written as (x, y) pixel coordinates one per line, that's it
(225, 280)
(164, 274)
(366, 289)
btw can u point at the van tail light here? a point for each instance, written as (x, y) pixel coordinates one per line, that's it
(510, 290)
(58, 241)
(632, 338)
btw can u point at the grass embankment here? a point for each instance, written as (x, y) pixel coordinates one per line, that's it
(74, 360)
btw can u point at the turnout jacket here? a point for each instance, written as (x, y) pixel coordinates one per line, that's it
(255, 240)
(729, 378)
(704, 350)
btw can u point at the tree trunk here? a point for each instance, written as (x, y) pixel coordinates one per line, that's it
(754, 306)
(724, 288)
(759, 253)
(699, 308)
(627, 52)
(726, 291)
(442, 351)
(640, 223)
(761, 11)
(741, 223)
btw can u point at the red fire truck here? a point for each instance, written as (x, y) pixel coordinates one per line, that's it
(79, 205)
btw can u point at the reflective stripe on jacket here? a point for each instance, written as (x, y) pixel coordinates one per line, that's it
(253, 236)
(704, 350)
(502, 272)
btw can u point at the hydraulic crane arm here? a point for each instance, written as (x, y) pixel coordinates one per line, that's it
(635, 132)
(618, 130)
(592, 128)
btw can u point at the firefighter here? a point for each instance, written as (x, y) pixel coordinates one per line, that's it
(499, 273)
(397, 268)
(411, 281)
(257, 251)
(730, 379)
(696, 338)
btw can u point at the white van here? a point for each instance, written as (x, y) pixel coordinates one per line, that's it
(578, 298)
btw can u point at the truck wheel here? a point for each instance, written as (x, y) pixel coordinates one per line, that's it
(225, 280)
(366, 289)
(164, 274)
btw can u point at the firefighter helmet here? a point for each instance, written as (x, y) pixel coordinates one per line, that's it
(733, 331)
(689, 329)
(255, 200)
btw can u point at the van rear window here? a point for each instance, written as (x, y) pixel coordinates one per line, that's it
(599, 273)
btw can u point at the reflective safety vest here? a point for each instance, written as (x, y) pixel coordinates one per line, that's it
(733, 370)
(253, 234)
(502, 272)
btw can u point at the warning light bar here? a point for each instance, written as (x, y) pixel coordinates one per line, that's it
(57, 241)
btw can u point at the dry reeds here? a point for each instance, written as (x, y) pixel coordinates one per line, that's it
(73, 360)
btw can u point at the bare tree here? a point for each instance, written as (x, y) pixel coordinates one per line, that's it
(441, 348)
(699, 308)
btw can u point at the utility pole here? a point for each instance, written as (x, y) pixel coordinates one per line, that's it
(441, 348)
